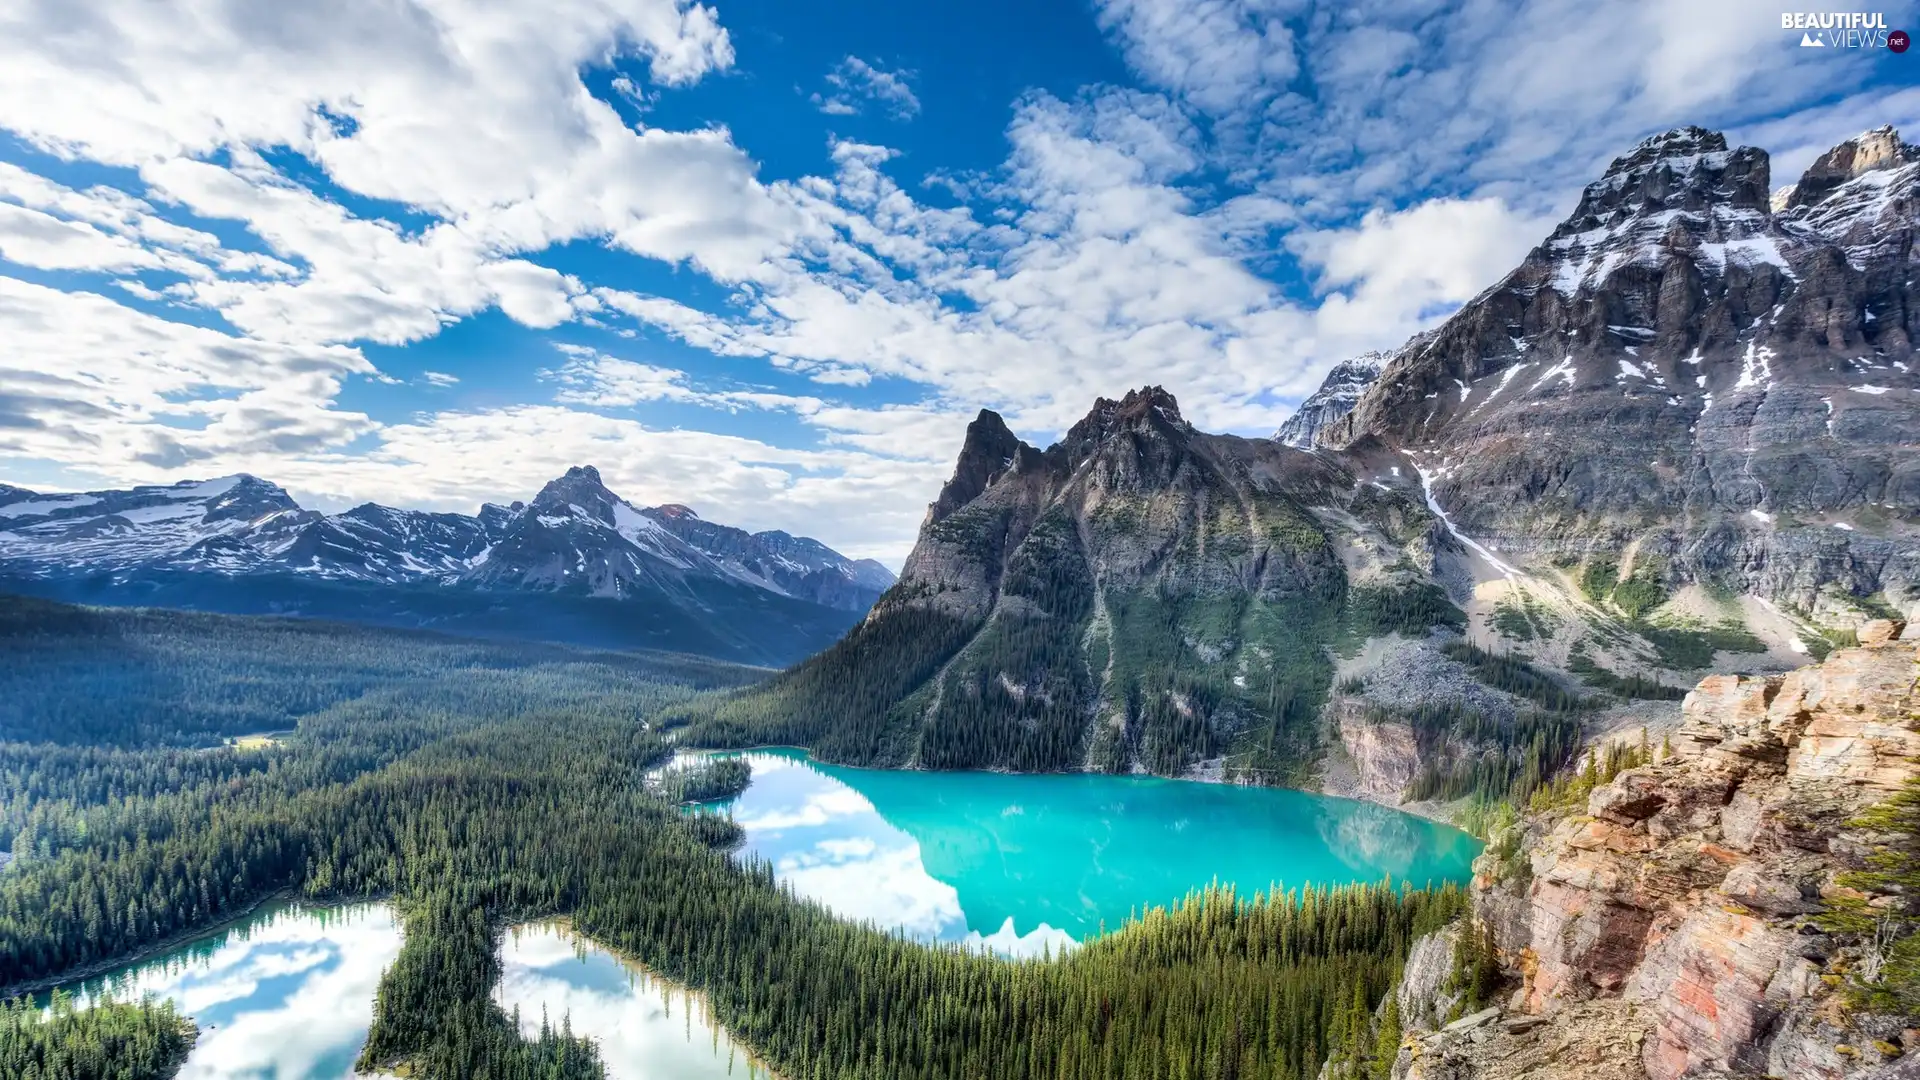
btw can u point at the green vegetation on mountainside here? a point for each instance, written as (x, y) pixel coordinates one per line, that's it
(479, 799)
(1065, 674)
(1466, 752)
(1879, 906)
(174, 678)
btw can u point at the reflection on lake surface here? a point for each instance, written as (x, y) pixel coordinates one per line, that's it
(647, 1028)
(286, 994)
(1019, 863)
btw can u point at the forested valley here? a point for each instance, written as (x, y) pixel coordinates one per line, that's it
(481, 785)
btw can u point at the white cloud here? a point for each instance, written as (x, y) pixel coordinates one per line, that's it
(45, 242)
(101, 387)
(591, 378)
(1131, 236)
(855, 81)
(188, 78)
(1223, 56)
(1524, 100)
(1401, 267)
(366, 93)
(440, 378)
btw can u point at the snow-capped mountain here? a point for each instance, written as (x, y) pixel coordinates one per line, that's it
(1692, 368)
(227, 525)
(240, 542)
(1335, 398)
(576, 536)
(795, 565)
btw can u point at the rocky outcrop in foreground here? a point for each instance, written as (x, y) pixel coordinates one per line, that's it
(1666, 928)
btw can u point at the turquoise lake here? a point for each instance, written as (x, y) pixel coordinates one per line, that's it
(1021, 863)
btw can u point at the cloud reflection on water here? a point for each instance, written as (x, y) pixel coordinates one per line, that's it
(287, 995)
(828, 841)
(1020, 864)
(646, 1028)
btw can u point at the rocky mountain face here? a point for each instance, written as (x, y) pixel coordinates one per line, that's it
(1676, 439)
(1671, 922)
(539, 569)
(795, 565)
(1685, 379)
(1336, 398)
(1139, 595)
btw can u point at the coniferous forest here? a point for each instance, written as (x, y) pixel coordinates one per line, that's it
(109, 1040)
(478, 786)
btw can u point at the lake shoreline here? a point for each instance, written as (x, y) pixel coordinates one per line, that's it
(577, 936)
(185, 937)
(1440, 813)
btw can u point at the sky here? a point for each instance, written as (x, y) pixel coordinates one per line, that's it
(767, 258)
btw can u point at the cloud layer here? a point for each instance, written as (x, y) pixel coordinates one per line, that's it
(220, 211)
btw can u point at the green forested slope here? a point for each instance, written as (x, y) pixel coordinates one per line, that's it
(148, 677)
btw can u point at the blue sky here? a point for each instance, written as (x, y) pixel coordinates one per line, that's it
(767, 259)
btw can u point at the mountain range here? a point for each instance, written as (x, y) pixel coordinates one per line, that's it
(576, 563)
(1679, 437)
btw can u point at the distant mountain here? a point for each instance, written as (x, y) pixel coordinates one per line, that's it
(796, 565)
(576, 564)
(1336, 397)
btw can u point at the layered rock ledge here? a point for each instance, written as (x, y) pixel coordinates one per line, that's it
(1677, 906)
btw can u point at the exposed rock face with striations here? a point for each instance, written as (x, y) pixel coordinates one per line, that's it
(1337, 395)
(1678, 370)
(1684, 888)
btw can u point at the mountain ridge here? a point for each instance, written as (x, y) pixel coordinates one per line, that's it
(1679, 371)
(1581, 543)
(212, 542)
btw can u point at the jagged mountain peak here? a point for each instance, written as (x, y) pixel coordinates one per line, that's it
(1337, 394)
(244, 498)
(795, 565)
(1138, 403)
(1686, 172)
(1676, 344)
(1869, 151)
(990, 450)
(1682, 142)
(1150, 408)
(579, 489)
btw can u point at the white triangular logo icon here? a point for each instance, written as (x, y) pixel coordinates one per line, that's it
(1808, 41)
